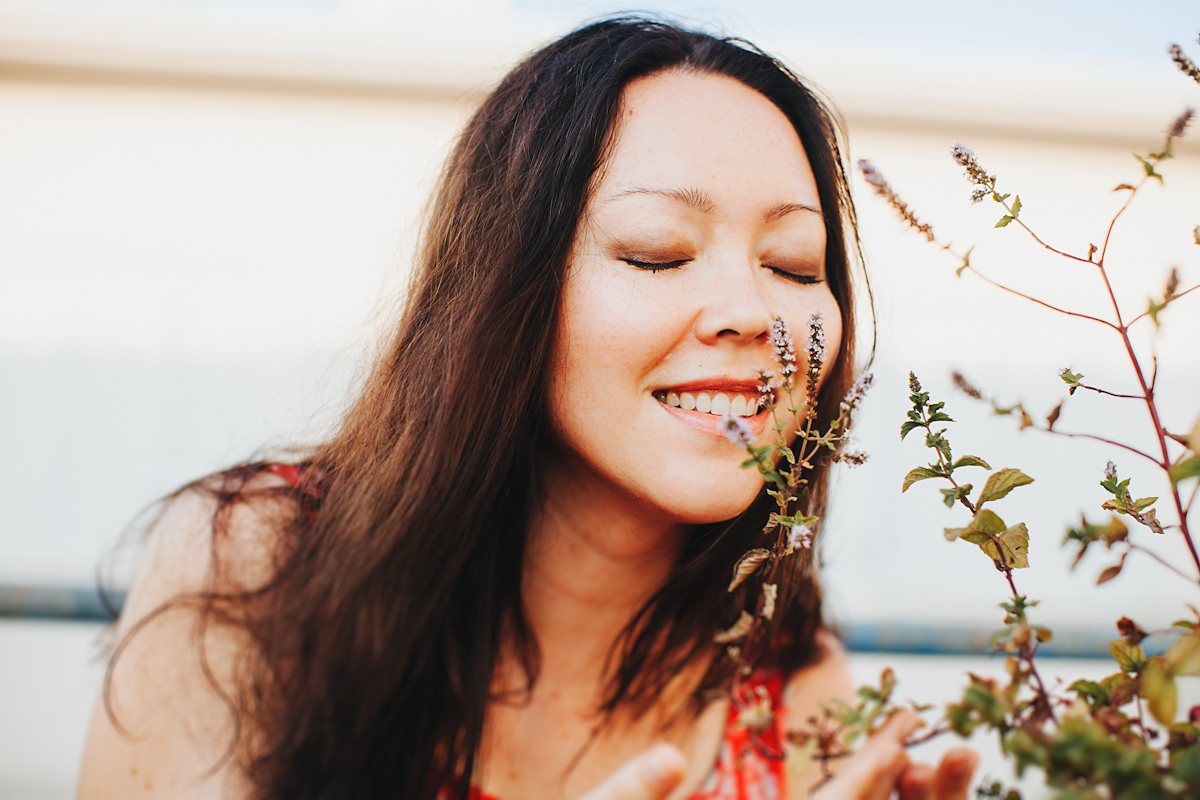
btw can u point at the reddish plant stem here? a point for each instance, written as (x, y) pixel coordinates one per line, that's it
(1037, 239)
(1162, 561)
(1173, 299)
(1110, 394)
(1033, 299)
(1026, 653)
(1093, 437)
(1152, 407)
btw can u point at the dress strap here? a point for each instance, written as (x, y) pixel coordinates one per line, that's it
(750, 764)
(305, 479)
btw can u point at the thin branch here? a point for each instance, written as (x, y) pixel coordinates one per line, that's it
(1112, 223)
(1163, 561)
(1133, 450)
(1111, 394)
(1038, 239)
(1031, 299)
(1173, 299)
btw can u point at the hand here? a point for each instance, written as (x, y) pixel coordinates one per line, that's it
(882, 766)
(650, 775)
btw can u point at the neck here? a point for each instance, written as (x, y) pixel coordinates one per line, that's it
(594, 557)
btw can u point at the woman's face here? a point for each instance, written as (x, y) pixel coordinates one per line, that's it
(703, 225)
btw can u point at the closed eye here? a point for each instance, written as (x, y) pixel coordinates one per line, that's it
(795, 277)
(655, 266)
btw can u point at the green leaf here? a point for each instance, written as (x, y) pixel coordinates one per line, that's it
(1003, 221)
(971, 461)
(1070, 378)
(1001, 483)
(1142, 503)
(953, 533)
(1149, 168)
(987, 521)
(920, 474)
(966, 259)
(999, 198)
(1157, 687)
(996, 637)
(954, 493)
(1188, 468)
(1183, 657)
(908, 428)
(1013, 544)
(1016, 206)
(1129, 657)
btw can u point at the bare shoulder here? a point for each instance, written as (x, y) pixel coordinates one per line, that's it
(828, 677)
(168, 730)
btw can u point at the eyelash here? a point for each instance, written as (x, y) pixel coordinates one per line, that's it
(662, 266)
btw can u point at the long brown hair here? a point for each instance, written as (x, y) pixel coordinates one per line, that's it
(376, 640)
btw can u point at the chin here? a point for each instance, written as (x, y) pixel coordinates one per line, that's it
(706, 504)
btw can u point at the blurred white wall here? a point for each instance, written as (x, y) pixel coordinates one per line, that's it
(203, 208)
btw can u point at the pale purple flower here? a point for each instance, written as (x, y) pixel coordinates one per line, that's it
(1181, 122)
(1110, 471)
(871, 175)
(854, 397)
(800, 536)
(736, 430)
(783, 350)
(816, 343)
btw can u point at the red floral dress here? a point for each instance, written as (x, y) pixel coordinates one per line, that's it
(743, 770)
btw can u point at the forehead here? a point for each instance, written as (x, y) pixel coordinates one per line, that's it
(700, 129)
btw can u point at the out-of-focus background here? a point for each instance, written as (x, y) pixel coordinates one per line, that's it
(207, 209)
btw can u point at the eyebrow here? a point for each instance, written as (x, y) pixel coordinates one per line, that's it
(699, 200)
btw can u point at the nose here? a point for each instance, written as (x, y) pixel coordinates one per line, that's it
(737, 310)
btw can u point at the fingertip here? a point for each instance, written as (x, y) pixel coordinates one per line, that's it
(903, 723)
(916, 782)
(954, 772)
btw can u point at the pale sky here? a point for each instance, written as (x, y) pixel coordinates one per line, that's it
(1093, 30)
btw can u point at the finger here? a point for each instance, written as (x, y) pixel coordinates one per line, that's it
(953, 778)
(916, 782)
(650, 775)
(872, 773)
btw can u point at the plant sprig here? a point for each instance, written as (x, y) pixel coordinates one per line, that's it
(1096, 739)
(785, 464)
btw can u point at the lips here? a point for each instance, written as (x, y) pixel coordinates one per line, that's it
(701, 405)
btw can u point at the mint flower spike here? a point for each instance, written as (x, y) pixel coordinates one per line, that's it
(799, 537)
(976, 175)
(877, 182)
(783, 351)
(854, 397)
(1185, 64)
(736, 430)
(1180, 124)
(817, 353)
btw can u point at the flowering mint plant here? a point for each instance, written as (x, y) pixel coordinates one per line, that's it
(1124, 736)
(784, 464)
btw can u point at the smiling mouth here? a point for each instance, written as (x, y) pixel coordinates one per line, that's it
(738, 404)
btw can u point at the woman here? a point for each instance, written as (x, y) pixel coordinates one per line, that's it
(504, 573)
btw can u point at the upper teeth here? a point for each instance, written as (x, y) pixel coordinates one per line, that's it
(719, 403)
